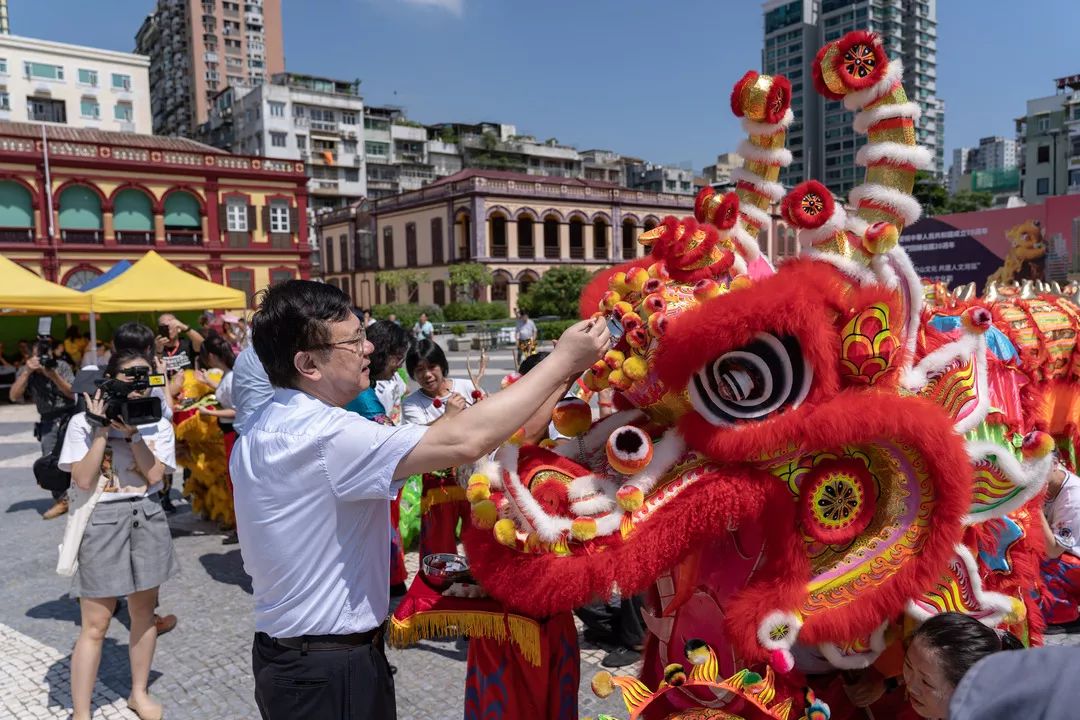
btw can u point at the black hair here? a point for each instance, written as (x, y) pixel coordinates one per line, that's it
(216, 345)
(294, 316)
(428, 352)
(532, 361)
(388, 339)
(120, 357)
(72, 333)
(133, 336)
(961, 641)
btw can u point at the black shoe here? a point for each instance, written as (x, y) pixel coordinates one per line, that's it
(398, 590)
(620, 657)
(231, 539)
(598, 637)
(166, 503)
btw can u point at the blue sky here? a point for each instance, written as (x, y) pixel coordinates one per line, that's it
(642, 77)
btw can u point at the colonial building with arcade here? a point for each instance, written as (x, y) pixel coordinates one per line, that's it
(232, 219)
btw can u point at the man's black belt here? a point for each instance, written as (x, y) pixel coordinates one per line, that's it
(306, 643)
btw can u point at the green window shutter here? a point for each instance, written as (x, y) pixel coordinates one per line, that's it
(80, 209)
(182, 211)
(133, 211)
(16, 208)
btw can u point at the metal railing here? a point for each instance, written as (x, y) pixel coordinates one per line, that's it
(183, 237)
(16, 235)
(134, 237)
(85, 237)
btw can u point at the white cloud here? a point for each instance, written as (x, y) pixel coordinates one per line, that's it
(456, 7)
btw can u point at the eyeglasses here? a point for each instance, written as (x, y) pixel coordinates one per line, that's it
(353, 344)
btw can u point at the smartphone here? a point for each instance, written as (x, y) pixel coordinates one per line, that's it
(163, 330)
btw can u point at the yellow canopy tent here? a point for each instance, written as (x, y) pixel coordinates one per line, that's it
(22, 290)
(153, 283)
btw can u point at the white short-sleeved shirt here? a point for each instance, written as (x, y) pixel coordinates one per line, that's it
(312, 485)
(224, 390)
(119, 462)
(251, 388)
(1063, 514)
(419, 409)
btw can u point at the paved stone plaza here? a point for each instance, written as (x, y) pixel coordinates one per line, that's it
(202, 669)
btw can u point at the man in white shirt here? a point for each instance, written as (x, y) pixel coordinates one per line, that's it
(251, 387)
(313, 483)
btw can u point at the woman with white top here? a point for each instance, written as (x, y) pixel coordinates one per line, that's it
(442, 501)
(126, 549)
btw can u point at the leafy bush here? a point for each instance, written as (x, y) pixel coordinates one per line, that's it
(407, 314)
(556, 292)
(552, 329)
(458, 330)
(466, 311)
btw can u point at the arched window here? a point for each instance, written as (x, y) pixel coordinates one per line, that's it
(600, 248)
(388, 249)
(437, 255)
(525, 281)
(438, 288)
(551, 237)
(629, 235)
(343, 244)
(577, 238)
(498, 236)
(133, 218)
(463, 232)
(414, 293)
(80, 277)
(80, 215)
(500, 287)
(183, 219)
(526, 248)
(16, 213)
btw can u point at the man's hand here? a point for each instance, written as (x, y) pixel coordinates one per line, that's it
(34, 364)
(867, 690)
(125, 429)
(159, 344)
(582, 344)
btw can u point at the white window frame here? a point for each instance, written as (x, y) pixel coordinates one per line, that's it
(125, 85)
(93, 77)
(29, 64)
(236, 216)
(279, 217)
(97, 108)
(277, 109)
(5, 100)
(129, 116)
(3, 66)
(275, 137)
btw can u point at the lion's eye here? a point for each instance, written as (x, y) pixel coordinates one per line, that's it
(753, 382)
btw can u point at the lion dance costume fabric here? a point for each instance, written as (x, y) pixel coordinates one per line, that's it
(803, 456)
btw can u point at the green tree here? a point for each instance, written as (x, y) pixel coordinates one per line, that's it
(401, 278)
(467, 277)
(556, 293)
(931, 194)
(969, 201)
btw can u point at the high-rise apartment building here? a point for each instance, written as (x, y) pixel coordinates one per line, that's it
(50, 82)
(822, 141)
(199, 47)
(994, 155)
(1048, 143)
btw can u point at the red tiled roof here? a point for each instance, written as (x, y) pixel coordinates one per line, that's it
(520, 177)
(104, 137)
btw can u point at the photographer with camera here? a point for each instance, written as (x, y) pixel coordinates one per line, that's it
(118, 451)
(47, 381)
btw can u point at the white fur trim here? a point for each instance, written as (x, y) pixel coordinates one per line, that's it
(754, 213)
(593, 505)
(861, 98)
(857, 272)
(778, 618)
(753, 127)
(739, 266)
(548, 528)
(884, 271)
(904, 205)
(835, 224)
(582, 487)
(971, 347)
(894, 153)
(773, 190)
(1030, 476)
(913, 296)
(856, 224)
(859, 660)
(747, 244)
(666, 452)
(491, 470)
(991, 607)
(750, 151)
(869, 118)
(610, 523)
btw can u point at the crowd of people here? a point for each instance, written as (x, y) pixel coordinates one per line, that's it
(319, 433)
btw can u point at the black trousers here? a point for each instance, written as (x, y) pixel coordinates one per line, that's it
(622, 624)
(351, 684)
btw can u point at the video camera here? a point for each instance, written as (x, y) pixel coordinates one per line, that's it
(131, 411)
